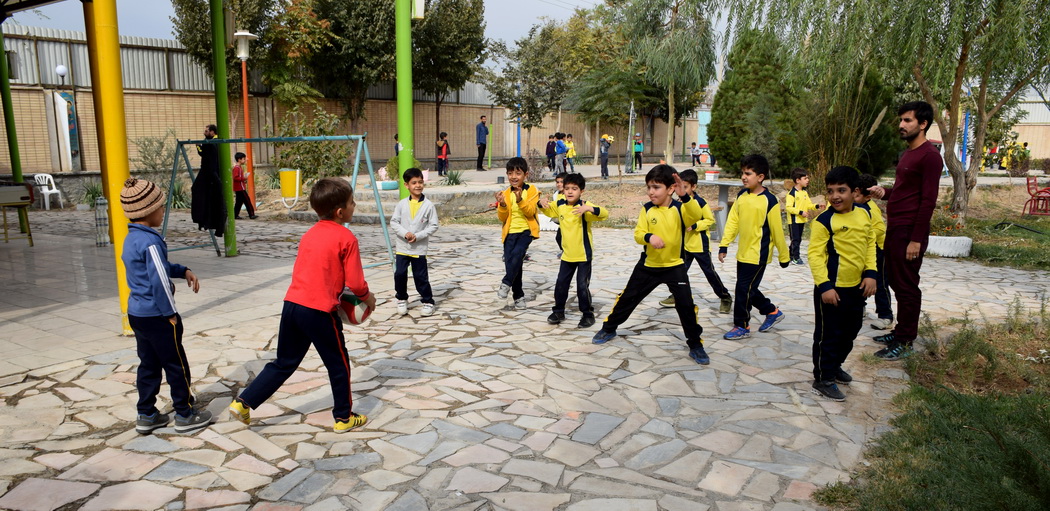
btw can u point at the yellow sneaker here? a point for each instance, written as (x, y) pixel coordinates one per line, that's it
(239, 411)
(355, 421)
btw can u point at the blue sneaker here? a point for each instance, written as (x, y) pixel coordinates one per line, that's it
(737, 333)
(771, 319)
(603, 336)
(699, 356)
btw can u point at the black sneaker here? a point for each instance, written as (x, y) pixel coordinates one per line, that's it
(884, 339)
(556, 318)
(895, 351)
(197, 420)
(586, 321)
(829, 390)
(699, 356)
(147, 423)
(843, 377)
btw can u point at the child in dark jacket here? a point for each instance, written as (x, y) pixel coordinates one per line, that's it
(152, 313)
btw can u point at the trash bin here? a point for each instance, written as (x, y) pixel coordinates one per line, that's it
(291, 186)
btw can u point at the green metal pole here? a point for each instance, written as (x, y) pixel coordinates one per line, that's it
(403, 31)
(9, 124)
(222, 119)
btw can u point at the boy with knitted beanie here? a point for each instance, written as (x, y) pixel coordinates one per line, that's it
(152, 313)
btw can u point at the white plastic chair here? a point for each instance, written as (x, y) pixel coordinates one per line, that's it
(47, 187)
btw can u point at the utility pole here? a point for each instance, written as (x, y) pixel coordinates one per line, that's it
(222, 119)
(403, 33)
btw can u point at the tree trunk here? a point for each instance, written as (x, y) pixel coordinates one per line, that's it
(669, 150)
(597, 141)
(558, 126)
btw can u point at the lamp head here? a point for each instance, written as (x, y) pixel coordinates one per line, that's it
(243, 37)
(61, 70)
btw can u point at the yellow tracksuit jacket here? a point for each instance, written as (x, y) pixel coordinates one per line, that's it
(756, 218)
(577, 241)
(697, 241)
(878, 223)
(669, 224)
(842, 249)
(795, 203)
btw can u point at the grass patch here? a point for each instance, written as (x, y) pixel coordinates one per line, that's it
(974, 432)
(488, 218)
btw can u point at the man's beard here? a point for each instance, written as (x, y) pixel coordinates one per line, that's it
(908, 137)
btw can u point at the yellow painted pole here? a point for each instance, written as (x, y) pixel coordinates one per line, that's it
(89, 24)
(109, 113)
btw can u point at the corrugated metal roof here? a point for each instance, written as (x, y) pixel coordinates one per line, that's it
(14, 29)
(1038, 113)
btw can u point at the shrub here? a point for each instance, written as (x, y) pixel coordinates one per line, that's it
(155, 153)
(92, 191)
(393, 169)
(453, 178)
(314, 159)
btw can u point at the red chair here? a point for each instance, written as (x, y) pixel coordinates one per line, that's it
(1039, 203)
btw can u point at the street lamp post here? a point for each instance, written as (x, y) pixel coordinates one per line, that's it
(243, 37)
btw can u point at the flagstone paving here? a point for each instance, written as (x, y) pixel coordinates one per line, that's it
(477, 407)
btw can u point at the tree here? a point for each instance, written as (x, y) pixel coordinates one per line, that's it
(192, 27)
(294, 36)
(530, 82)
(673, 43)
(989, 49)
(448, 48)
(359, 55)
(754, 81)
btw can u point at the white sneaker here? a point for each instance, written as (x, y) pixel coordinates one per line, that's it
(503, 290)
(520, 303)
(402, 307)
(882, 324)
(428, 309)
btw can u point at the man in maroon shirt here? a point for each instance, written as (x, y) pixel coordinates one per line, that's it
(909, 207)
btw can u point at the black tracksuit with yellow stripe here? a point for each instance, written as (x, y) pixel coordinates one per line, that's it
(661, 266)
(841, 254)
(756, 218)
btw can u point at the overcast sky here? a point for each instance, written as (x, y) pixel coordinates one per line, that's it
(505, 19)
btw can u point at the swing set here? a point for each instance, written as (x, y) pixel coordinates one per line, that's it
(182, 157)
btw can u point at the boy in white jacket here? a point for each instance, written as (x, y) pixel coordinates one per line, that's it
(414, 220)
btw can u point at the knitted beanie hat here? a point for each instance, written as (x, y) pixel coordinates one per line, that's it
(140, 198)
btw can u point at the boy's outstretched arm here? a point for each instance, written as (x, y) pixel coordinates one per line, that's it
(354, 275)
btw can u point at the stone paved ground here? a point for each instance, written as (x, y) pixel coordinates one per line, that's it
(477, 407)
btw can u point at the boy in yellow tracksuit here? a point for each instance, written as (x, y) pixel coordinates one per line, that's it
(698, 246)
(799, 208)
(661, 230)
(516, 208)
(883, 305)
(842, 260)
(756, 217)
(576, 216)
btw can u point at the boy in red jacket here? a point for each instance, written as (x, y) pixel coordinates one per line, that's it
(328, 260)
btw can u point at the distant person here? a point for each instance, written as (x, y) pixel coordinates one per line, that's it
(639, 146)
(909, 208)
(328, 261)
(397, 146)
(560, 150)
(481, 133)
(207, 200)
(570, 156)
(799, 208)
(240, 181)
(152, 313)
(551, 152)
(603, 154)
(695, 151)
(443, 152)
